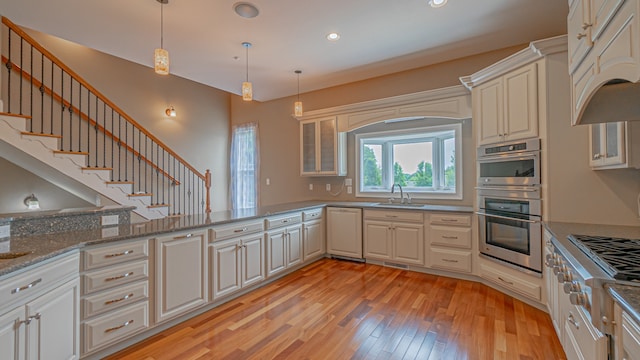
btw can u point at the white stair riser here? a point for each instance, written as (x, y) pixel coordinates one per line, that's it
(51, 143)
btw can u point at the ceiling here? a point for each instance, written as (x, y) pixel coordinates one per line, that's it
(378, 37)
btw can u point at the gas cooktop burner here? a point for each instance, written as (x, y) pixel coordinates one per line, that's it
(619, 257)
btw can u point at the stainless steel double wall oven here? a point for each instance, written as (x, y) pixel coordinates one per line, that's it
(509, 205)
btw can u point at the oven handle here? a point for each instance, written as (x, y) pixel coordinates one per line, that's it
(528, 155)
(508, 188)
(507, 218)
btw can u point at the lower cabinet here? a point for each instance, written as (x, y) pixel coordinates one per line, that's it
(516, 282)
(394, 240)
(181, 274)
(627, 339)
(313, 240)
(284, 249)
(450, 242)
(236, 263)
(45, 324)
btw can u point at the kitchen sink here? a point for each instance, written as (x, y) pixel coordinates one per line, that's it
(386, 204)
(13, 254)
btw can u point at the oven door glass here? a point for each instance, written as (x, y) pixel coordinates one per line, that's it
(509, 170)
(508, 232)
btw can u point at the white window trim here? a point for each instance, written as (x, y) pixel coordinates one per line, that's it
(458, 195)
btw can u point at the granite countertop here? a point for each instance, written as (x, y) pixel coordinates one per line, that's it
(43, 247)
(628, 296)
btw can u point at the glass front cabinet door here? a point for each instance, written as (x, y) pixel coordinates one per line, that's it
(612, 145)
(322, 148)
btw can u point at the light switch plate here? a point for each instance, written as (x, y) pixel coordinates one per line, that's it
(348, 182)
(5, 231)
(328, 187)
(109, 220)
(310, 186)
(349, 190)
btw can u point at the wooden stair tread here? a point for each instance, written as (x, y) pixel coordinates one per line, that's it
(40, 134)
(70, 152)
(119, 182)
(15, 115)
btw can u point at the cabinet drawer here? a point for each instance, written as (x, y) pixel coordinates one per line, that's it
(313, 214)
(404, 216)
(114, 254)
(235, 229)
(114, 276)
(514, 284)
(451, 236)
(630, 335)
(114, 299)
(113, 326)
(451, 260)
(284, 220)
(586, 341)
(37, 279)
(451, 219)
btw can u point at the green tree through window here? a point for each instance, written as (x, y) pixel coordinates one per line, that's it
(371, 171)
(399, 176)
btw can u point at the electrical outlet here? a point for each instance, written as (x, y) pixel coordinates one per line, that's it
(310, 186)
(349, 189)
(5, 231)
(268, 181)
(109, 220)
(109, 232)
(328, 187)
(348, 182)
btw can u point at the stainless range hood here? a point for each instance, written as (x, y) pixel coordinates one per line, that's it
(617, 100)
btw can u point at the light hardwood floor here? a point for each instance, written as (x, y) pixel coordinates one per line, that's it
(335, 309)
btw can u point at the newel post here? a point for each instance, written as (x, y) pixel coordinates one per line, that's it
(1, 39)
(207, 184)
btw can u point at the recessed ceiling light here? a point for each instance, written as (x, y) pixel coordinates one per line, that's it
(334, 36)
(246, 10)
(437, 3)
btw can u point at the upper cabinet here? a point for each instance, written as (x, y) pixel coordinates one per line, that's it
(604, 45)
(510, 97)
(323, 150)
(614, 145)
(506, 108)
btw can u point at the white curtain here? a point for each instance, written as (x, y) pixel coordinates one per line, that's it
(244, 166)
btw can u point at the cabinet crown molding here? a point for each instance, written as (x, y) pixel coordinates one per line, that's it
(535, 51)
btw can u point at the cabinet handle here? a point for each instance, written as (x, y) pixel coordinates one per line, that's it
(585, 26)
(573, 321)
(118, 300)
(119, 276)
(285, 221)
(581, 35)
(505, 281)
(28, 286)
(449, 237)
(240, 230)
(391, 216)
(183, 236)
(37, 316)
(119, 254)
(119, 327)
(449, 220)
(450, 261)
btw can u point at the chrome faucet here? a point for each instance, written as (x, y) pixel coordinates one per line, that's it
(401, 192)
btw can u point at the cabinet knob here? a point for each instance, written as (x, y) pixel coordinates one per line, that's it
(581, 35)
(585, 26)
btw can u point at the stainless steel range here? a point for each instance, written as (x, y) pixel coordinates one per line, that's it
(618, 257)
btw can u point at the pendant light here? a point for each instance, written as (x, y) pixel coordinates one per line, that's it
(297, 106)
(161, 56)
(247, 90)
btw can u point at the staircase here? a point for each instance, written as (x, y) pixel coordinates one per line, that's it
(59, 127)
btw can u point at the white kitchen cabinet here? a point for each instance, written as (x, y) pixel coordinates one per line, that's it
(313, 240)
(611, 49)
(400, 238)
(627, 336)
(344, 232)
(181, 274)
(520, 283)
(614, 145)
(41, 320)
(551, 286)
(322, 148)
(236, 263)
(450, 242)
(506, 108)
(284, 242)
(581, 338)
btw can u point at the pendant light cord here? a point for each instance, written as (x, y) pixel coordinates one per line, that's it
(161, 25)
(247, 63)
(298, 85)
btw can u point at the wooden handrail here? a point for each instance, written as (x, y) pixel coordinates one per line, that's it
(84, 83)
(38, 84)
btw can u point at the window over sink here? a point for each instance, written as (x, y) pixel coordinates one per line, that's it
(425, 161)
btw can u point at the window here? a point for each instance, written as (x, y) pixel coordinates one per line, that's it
(423, 161)
(244, 167)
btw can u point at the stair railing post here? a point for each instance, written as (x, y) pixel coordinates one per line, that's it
(207, 185)
(1, 103)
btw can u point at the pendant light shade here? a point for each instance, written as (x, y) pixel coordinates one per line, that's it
(247, 89)
(161, 56)
(297, 106)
